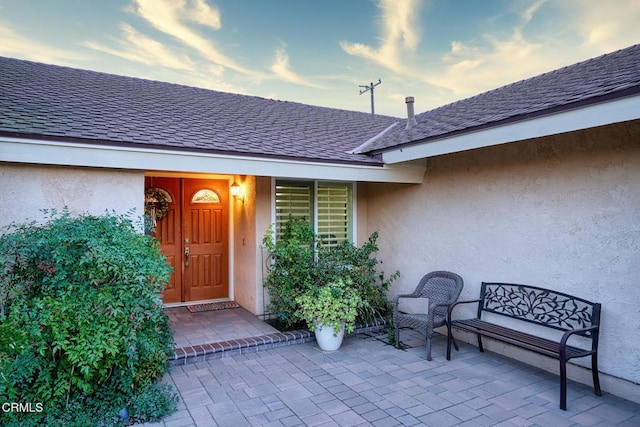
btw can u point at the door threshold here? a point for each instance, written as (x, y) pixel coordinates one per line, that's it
(184, 304)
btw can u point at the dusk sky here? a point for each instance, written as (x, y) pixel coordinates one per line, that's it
(319, 52)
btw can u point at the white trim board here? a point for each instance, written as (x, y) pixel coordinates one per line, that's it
(605, 113)
(75, 154)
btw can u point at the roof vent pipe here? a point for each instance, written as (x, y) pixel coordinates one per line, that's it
(411, 117)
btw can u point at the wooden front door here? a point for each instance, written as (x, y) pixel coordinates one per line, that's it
(194, 236)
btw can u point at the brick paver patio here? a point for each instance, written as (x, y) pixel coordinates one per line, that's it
(368, 382)
(191, 329)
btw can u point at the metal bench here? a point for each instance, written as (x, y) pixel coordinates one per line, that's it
(543, 307)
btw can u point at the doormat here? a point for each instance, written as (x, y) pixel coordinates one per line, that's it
(212, 306)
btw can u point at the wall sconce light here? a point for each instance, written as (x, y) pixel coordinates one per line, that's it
(236, 191)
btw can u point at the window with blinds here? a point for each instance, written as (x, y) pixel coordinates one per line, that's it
(334, 213)
(295, 200)
(327, 206)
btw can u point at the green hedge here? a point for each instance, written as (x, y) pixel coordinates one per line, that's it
(82, 331)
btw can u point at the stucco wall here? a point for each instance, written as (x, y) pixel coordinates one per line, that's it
(263, 219)
(27, 189)
(361, 215)
(244, 224)
(561, 212)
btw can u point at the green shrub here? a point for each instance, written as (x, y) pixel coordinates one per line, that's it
(82, 329)
(360, 267)
(290, 269)
(299, 265)
(331, 305)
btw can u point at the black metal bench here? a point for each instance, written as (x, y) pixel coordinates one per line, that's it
(543, 307)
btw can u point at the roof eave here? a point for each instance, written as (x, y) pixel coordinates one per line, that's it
(356, 158)
(64, 153)
(584, 116)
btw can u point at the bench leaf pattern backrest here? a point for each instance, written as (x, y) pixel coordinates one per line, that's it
(537, 305)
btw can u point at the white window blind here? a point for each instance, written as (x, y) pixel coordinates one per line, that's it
(295, 200)
(327, 206)
(334, 213)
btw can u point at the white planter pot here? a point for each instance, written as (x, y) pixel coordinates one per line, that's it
(327, 338)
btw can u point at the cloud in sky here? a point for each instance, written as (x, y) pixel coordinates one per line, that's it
(173, 17)
(176, 18)
(12, 43)
(282, 70)
(467, 69)
(399, 25)
(137, 47)
(604, 25)
(590, 28)
(470, 68)
(499, 55)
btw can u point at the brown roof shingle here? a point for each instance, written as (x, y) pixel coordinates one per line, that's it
(48, 101)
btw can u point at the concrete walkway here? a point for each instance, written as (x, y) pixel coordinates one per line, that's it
(368, 382)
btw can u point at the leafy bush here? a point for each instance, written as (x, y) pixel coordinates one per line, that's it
(82, 329)
(291, 267)
(300, 264)
(360, 267)
(330, 305)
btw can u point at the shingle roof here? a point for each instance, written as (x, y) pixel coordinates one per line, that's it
(609, 76)
(48, 101)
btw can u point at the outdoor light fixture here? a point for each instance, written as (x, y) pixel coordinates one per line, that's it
(236, 191)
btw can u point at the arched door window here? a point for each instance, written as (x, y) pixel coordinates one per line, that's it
(205, 196)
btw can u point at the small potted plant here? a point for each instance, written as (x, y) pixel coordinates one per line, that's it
(329, 311)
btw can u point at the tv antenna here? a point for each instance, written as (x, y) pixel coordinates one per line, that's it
(369, 88)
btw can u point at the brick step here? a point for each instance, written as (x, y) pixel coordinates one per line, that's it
(217, 350)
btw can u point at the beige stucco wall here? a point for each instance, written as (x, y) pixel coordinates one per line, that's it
(244, 238)
(562, 213)
(362, 230)
(27, 189)
(263, 220)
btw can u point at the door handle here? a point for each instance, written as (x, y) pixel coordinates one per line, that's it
(186, 256)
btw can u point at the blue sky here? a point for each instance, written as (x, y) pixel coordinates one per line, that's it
(320, 51)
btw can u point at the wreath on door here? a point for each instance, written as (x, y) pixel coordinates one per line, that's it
(156, 204)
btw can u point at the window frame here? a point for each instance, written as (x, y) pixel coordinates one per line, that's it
(315, 184)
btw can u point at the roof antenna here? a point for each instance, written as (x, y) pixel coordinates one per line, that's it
(368, 88)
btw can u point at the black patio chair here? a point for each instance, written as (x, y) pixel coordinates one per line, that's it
(442, 288)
